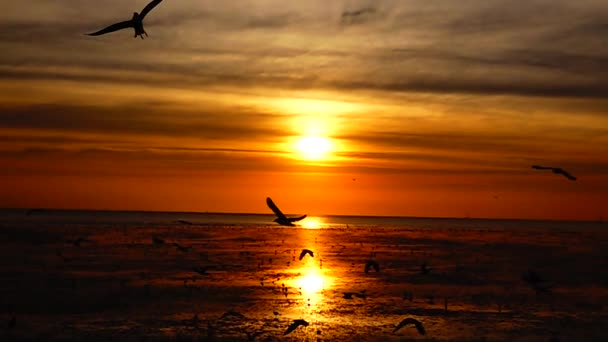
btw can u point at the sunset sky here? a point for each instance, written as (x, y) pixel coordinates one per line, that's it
(367, 107)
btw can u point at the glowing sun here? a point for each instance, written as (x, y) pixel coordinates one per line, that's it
(313, 147)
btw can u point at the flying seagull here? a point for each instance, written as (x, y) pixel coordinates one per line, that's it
(293, 326)
(281, 218)
(137, 22)
(555, 170)
(413, 321)
(372, 263)
(306, 251)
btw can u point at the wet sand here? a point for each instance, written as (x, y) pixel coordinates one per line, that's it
(120, 285)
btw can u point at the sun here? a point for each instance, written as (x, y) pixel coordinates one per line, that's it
(313, 147)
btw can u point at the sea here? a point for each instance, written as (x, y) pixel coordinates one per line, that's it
(75, 275)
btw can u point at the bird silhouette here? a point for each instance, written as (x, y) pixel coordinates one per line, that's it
(201, 270)
(293, 326)
(555, 170)
(182, 248)
(306, 251)
(372, 263)
(413, 321)
(136, 22)
(348, 295)
(425, 269)
(233, 313)
(79, 241)
(158, 241)
(281, 218)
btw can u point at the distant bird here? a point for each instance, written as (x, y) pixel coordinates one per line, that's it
(182, 248)
(536, 282)
(555, 170)
(136, 22)
(232, 313)
(413, 321)
(348, 295)
(201, 270)
(296, 323)
(424, 269)
(372, 263)
(158, 241)
(281, 218)
(78, 241)
(306, 251)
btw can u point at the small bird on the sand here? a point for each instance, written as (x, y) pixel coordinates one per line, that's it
(182, 248)
(233, 313)
(296, 323)
(201, 270)
(536, 282)
(372, 263)
(413, 321)
(136, 22)
(556, 170)
(425, 269)
(281, 218)
(78, 241)
(306, 251)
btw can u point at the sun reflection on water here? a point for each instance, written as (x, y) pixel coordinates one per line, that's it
(312, 283)
(312, 223)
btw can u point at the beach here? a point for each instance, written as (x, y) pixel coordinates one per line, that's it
(95, 278)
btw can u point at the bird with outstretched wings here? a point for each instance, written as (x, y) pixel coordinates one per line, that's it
(281, 218)
(136, 22)
(413, 321)
(293, 326)
(556, 170)
(306, 251)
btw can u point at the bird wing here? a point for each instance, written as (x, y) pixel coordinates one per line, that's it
(566, 174)
(296, 219)
(274, 208)
(538, 167)
(304, 252)
(114, 27)
(291, 328)
(148, 8)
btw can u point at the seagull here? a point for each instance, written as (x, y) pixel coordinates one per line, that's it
(281, 218)
(182, 248)
(556, 170)
(201, 270)
(372, 263)
(424, 269)
(78, 241)
(296, 323)
(413, 321)
(306, 251)
(137, 22)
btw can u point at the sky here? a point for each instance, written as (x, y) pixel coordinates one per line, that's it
(353, 107)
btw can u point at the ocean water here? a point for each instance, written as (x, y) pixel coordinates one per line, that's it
(133, 276)
(100, 219)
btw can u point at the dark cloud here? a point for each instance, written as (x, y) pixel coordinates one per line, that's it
(234, 123)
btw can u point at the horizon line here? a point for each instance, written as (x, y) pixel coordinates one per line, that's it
(599, 219)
